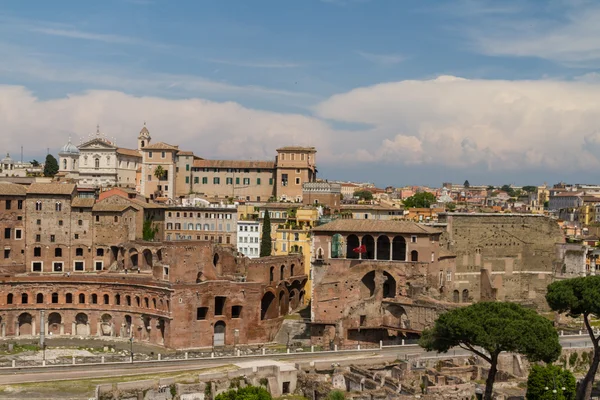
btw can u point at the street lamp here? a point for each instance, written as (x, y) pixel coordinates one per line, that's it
(555, 389)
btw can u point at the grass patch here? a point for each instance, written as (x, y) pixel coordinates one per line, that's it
(85, 388)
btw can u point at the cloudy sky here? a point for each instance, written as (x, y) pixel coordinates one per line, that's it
(394, 92)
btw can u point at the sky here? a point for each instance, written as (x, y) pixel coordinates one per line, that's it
(395, 92)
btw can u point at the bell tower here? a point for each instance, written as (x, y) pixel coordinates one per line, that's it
(144, 138)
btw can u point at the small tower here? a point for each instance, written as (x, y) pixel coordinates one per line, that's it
(68, 158)
(144, 138)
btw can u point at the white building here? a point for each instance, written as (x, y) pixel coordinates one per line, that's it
(248, 238)
(100, 163)
(12, 168)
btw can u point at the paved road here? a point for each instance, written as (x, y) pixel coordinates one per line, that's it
(68, 372)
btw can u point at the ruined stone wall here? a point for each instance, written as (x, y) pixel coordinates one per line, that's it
(12, 218)
(517, 250)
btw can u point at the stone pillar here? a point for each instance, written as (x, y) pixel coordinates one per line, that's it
(73, 328)
(32, 326)
(17, 329)
(360, 255)
(3, 329)
(112, 329)
(375, 255)
(391, 247)
(98, 328)
(46, 328)
(62, 328)
(89, 329)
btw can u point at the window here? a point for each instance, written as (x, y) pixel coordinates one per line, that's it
(271, 181)
(97, 218)
(38, 205)
(52, 238)
(76, 236)
(24, 298)
(100, 252)
(80, 222)
(36, 266)
(79, 252)
(97, 163)
(118, 299)
(187, 167)
(204, 180)
(38, 238)
(236, 311)
(58, 252)
(149, 178)
(8, 204)
(196, 179)
(9, 298)
(219, 305)
(187, 179)
(149, 154)
(98, 265)
(284, 179)
(94, 298)
(58, 206)
(39, 299)
(38, 222)
(18, 234)
(229, 181)
(81, 298)
(146, 302)
(237, 181)
(201, 313)
(128, 300)
(6, 233)
(57, 266)
(6, 253)
(19, 204)
(246, 181)
(60, 222)
(413, 239)
(116, 219)
(68, 298)
(297, 181)
(78, 266)
(216, 180)
(258, 181)
(55, 298)
(105, 299)
(297, 170)
(163, 154)
(37, 251)
(449, 276)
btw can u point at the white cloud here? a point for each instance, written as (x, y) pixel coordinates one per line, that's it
(382, 59)
(77, 34)
(256, 64)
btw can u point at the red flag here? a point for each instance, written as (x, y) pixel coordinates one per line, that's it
(360, 249)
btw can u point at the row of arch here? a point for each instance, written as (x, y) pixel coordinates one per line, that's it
(282, 272)
(370, 248)
(456, 296)
(118, 300)
(277, 304)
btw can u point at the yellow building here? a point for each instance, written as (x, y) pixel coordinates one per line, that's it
(294, 237)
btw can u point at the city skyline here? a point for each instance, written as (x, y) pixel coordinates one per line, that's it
(393, 93)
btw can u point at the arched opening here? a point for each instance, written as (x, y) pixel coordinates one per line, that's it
(154, 303)
(268, 306)
(81, 325)
(81, 298)
(399, 249)
(127, 326)
(383, 248)
(282, 272)
(292, 270)
(465, 296)
(367, 289)
(146, 302)
(105, 298)
(25, 322)
(456, 296)
(39, 299)
(159, 255)
(283, 303)
(147, 254)
(293, 302)
(369, 245)
(68, 298)
(271, 274)
(24, 298)
(161, 330)
(337, 246)
(106, 325)
(94, 298)
(217, 264)
(118, 299)
(352, 243)
(114, 254)
(301, 298)
(133, 258)
(414, 255)
(395, 315)
(138, 301)
(128, 300)
(54, 323)
(389, 285)
(219, 334)
(9, 298)
(54, 298)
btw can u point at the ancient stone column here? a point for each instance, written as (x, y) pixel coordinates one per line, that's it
(62, 328)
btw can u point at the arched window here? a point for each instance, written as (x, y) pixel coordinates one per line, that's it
(97, 162)
(81, 298)
(118, 299)
(128, 300)
(24, 298)
(9, 298)
(281, 272)
(105, 299)
(54, 298)
(414, 255)
(271, 274)
(292, 270)
(39, 298)
(58, 206)
(94, 298)
(38, 206)
(69, 298)
(64, 163)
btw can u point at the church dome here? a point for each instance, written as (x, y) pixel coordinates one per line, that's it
(69, 149)
(7, 160)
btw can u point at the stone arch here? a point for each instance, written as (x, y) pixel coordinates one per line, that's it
(414, 256)
(24, 298)
(217, 264)
(352, 242)
(292, 270)
(39, 298)
(389, 285)
(395, 315)
(161, 330)
(147, 257)
(114, 254)
(69, 298)
(105, 299)
(219, 333)
(271, 274)
(456, 296)
(106, 325)
(294, 300)
(301, 297)
(81, 298)
(283, 302)
(133, 258)
(367, 289)
(399, 248)
(369, 244)
(282, 272)
(54, 323)
(465, 296)
(383, 247)
(10, 298)
(25, 322)
(268, 306)
(159, 255)
(82, 326)
(94, 298)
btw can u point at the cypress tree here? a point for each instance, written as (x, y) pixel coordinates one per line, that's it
(50, 166)
(265, 241)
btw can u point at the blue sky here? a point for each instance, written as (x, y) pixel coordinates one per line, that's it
(396, 92)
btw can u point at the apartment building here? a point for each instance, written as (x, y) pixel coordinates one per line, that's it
(248, 238)
(214, 223)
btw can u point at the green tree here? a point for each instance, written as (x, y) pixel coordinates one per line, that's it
(543, 380)
(510, 191)
(530, 189)
(149, 230)
(51, 166)
(265, 240)
(467, 184)
(160, 172)
(450, 206)
(491, 188)
(363, 195)
(579, 297)
(245, 393)
(35, 163)
(336, 395)
(490, 328)
(420, 200)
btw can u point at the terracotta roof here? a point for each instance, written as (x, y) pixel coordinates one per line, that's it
(234, 164)
(51, 188)
(350, 207)
(297, 148)
(12, 189)
(185, 153)
(128, 152)
(375, 226)
(161, 146)
(83, 202)
(144, 204)
(106, 207)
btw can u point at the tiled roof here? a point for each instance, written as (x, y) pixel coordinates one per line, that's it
(185, 153)
(161, 146)
(380, 207)
(234, 164)
(51, 188)
(83, 202)
(375, 226)
(106, 207)
(128, 152)
(297, 148)
(12, 189)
